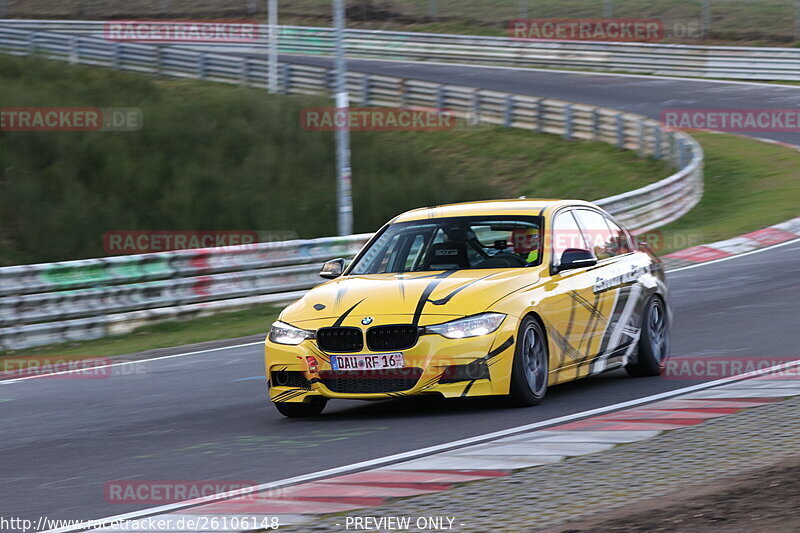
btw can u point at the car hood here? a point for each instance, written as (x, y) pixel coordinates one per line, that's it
(346, 300)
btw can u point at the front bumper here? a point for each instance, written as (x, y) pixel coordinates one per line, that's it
(479, 366)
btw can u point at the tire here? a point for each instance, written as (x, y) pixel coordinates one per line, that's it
(531, 365)
(302, 410)
(654, 341)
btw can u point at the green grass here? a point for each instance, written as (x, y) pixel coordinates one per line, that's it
(214, 157)
(253, 321)
(750, 185)
(752, 22)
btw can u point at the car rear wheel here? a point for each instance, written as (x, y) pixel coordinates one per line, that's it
(654, 341)
(531, 365)
(302, 410)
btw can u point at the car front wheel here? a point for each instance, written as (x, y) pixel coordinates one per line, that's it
(531, 365)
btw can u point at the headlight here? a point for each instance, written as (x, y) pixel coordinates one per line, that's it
(472, 326)
(285, 334)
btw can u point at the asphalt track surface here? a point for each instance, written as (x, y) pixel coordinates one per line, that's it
(206, 416)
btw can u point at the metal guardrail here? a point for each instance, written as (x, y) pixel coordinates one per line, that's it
(79, 300)
(752, 63)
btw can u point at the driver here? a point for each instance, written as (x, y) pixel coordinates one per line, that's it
(526, 244)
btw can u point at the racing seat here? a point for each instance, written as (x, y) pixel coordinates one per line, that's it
(447, 256)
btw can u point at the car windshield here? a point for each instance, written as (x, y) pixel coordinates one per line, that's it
(456, 243)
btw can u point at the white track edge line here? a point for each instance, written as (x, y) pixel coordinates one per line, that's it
(400, 457)
(735, 256)
(94, 368)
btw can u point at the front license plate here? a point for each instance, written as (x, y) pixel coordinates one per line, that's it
(381, 361)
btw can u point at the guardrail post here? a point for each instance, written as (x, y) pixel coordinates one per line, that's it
(673, 154)
(74, 50)
(523, 9)
(440, 97)
(595, 123)
(243, 71)
(658, 142)
(201, 65)
(620, 131)
(539, 116)
(476, 107)
(115, 58)
(3, 8)
(682, 155)
(365, 90)
(568, 122)
(508, 111)
(403, 93)
(608, 9)
(160, 61)
(287, 78)
(642, 138)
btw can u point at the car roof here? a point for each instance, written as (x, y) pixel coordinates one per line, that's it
(522, 206)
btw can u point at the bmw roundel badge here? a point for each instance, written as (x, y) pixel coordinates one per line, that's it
(366, 321)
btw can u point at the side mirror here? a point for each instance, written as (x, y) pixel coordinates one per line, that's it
(332, 269)
(573, 258)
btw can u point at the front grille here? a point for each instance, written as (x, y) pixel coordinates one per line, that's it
(371, 381)
(383, 338)
(296, 380)
(340, 340)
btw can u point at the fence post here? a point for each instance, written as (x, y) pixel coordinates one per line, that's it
(797, 20)
(433, 8)
(706, 19)
(164, 6)
(3, 9)
(440, 97)
(595, 123)
(608, 9)
(523, 9)
(620, 132)
(365, 90)
(252, 6)
(508, 111)
(568, 122)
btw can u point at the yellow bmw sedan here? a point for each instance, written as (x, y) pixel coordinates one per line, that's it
(498, 298)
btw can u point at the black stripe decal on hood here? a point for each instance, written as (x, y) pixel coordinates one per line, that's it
(446, 299)
(423, 299)
(342, 318)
